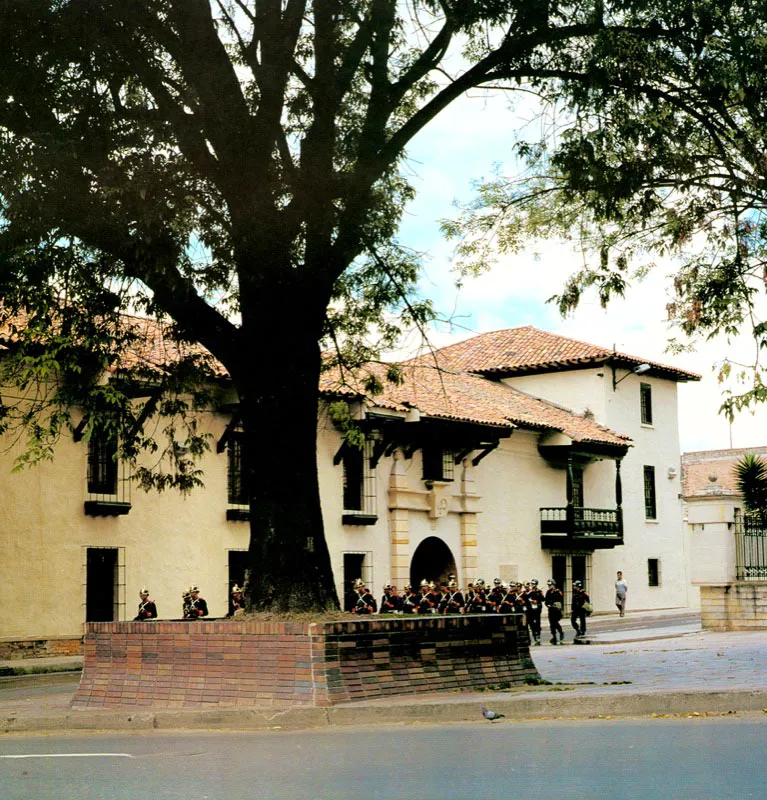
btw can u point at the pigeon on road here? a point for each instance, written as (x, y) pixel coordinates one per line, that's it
(491, 715)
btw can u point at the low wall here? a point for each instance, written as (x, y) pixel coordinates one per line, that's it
(256, 664)
(734, 606)
(12, 649)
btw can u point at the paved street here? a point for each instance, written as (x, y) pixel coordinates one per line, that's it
(680, 759)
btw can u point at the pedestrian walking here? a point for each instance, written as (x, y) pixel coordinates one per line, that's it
(621, 590)
(554, 602)
(579, 608)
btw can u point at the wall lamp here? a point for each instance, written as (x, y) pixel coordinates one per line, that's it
(639, 370)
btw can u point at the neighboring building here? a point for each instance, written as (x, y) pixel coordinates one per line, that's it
(714, 511)
(466, 469)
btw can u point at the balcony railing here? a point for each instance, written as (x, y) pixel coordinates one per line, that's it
(581, 527)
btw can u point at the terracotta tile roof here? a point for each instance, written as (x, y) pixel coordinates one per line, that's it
(699, 467)
(471, 398)
(527, 349)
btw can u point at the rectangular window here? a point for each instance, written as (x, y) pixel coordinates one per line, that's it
(653, 572)
(102, 465)
(438, 464)
(359, 485)
(650, 509)
(578, 487)
(236, 490)
(645, 399)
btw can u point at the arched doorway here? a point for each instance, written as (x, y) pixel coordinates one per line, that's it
(432, 560)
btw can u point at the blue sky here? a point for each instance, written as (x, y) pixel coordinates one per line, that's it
(463, 145)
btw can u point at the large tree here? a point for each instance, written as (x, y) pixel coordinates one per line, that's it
(233, 166)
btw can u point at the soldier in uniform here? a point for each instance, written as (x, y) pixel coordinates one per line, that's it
(186, 599)
(554, 601)
(146, 608)
(391, 602)
(429, 598)
(480, 597)
(238, 601)
(495, 595)
(366, 603)
(508, 601)
(410, 600)
(534, 607)
(197, 605)
(577, 612)
(455, 602)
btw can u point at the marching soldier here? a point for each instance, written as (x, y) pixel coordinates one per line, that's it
(197, 605)
(429, 598)
(455, 601)
(410, 600)
(508, 601)
(577, 612)
(366, 603)
(534, 607)
(391, 602)
(554, 602)
(480, 597)
(495, 595)
(147, 610)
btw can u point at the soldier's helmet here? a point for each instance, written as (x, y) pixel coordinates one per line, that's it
(451, 584)
(387, 587)
(550, 582)
(579, 584)
(193, 588)
(143, 590)
(408, 587)
(534, 582)
(451, 577)
(424, 582)
(359, 583)
(479, 582)
(496, 581)
(236, 589)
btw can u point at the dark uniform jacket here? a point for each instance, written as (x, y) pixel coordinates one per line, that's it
(366, 603)
(390, 603)
(197, 608)
(146, 610)
(534, 601)
(554, 596)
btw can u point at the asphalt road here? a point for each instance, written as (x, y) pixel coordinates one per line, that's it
(665, 758)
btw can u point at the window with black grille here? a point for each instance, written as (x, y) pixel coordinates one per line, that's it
(645, 400)
(236, 489)
(438, 464)
(650, 507)
(102, 465)
(653, 572)
(359, 485)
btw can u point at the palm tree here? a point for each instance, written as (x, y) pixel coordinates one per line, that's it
(751, 479)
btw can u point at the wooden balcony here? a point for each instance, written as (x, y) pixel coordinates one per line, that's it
(577, 528)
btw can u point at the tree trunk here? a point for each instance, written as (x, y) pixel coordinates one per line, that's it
(278, 384)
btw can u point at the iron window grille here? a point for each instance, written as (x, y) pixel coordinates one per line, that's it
(238, 501)
(438, 464)
(645, 401)
(108, 481)
(359, 485)
(650, 505)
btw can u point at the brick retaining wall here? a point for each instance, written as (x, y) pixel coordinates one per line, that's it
(736, 606)
(12, 649)
(255, 664)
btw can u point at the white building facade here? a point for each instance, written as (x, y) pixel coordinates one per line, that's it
(518, 454)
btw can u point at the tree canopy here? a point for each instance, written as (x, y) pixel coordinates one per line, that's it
(233, 167)
(662, 156)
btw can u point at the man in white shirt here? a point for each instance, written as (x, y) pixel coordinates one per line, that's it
(621, 589)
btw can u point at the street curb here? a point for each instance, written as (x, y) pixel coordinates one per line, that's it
(533, 706)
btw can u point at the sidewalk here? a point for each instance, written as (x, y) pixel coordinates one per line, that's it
(686, 672)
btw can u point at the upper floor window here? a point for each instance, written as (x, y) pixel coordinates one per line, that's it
(578, 486)
(236, 486)
(359, 487)
(102, 464)
(236, 491)
(650, 508)
(438, 464)
(645, 400)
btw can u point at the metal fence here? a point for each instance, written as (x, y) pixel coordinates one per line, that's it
(750, 547)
